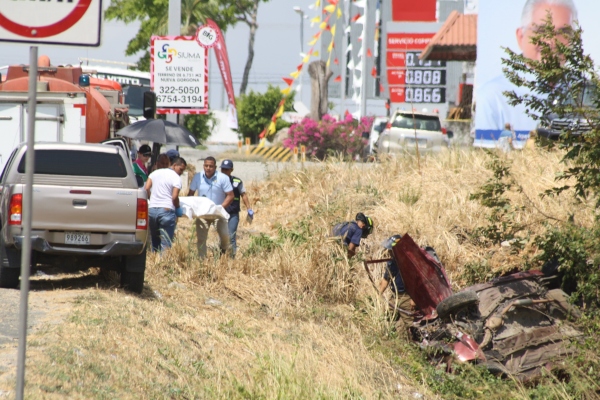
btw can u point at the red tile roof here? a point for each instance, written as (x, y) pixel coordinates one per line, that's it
(455, 41)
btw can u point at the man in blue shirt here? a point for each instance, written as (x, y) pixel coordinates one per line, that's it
(352, 232)
(217, 187)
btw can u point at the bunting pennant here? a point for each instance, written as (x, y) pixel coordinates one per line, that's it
(374, 72)
(329, 11)
(369, 54)
(336, 61)
(280, 111)
(360, 3)
(356, 17)
(338, 79)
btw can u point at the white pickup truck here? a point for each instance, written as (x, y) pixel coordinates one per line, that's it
(89, 209)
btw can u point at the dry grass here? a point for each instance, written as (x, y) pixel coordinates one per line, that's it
(292, 317)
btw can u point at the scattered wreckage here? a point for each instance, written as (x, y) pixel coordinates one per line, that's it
(513, 325)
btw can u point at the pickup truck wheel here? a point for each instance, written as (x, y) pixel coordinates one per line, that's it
(132, 281)
(132, 273)
(9, 277)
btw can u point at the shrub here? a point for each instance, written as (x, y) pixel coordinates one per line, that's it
(329, 137)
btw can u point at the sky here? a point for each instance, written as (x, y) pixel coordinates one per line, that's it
(277, 50)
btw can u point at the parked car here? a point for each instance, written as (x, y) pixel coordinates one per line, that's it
(573, 124)
(88, 209)
(513, 325)
(406, 131)
(379, 124)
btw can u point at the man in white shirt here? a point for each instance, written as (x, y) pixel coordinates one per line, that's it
(163, 186)
(217, 187)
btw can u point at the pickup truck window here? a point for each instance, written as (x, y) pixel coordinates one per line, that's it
(77, 163)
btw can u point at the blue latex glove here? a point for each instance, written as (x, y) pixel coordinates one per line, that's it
(179, 212)
(250, 214)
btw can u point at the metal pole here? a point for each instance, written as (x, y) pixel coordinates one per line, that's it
(364, 73)
(27, 203)
(174, 30)
(345, 14)
(302, 31)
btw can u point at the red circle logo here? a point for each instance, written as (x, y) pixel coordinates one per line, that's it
(48, 30)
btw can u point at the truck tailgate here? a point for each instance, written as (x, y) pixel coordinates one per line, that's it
(86, 209)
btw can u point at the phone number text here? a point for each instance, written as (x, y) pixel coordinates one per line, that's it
(168, 99)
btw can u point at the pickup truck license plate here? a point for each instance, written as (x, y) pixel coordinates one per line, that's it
(77, 237)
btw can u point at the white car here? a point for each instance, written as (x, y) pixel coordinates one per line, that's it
(408, 131)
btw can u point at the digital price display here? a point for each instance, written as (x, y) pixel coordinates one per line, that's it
(412, 80)
(413, 61)
(414, 94)
(425, 77)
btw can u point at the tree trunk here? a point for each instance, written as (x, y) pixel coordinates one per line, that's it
(253, 25)
(319, 94)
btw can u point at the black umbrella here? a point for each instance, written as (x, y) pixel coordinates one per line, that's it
(160, 131)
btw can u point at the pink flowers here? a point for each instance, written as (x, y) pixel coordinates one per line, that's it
(330, 137)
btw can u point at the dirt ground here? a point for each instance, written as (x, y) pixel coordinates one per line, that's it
(50, 299)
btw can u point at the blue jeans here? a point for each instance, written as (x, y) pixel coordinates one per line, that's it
(162, 227)
(234, 220)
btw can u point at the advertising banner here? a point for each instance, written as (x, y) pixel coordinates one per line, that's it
(511, 27)
(179, 75)
(223, 62)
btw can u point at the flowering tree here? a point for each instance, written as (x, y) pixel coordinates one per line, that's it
(329, 137)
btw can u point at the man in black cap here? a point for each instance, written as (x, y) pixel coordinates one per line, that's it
(234, 208)
(352, 232)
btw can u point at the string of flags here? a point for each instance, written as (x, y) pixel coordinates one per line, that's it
(331, 8)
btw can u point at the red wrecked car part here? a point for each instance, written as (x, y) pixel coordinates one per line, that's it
(424, 278)
(467, 349)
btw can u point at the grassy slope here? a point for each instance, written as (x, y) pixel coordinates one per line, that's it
(292, 317)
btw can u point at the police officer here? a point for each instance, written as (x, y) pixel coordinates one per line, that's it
(352, 232)
(234, 208)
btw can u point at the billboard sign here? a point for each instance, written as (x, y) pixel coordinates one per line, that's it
(73, 22)
(501, 26)
(179, 75)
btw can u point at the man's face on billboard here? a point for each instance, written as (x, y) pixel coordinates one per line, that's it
(561, 18)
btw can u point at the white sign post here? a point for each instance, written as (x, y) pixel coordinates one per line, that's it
(179, 75)
(75, 22)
